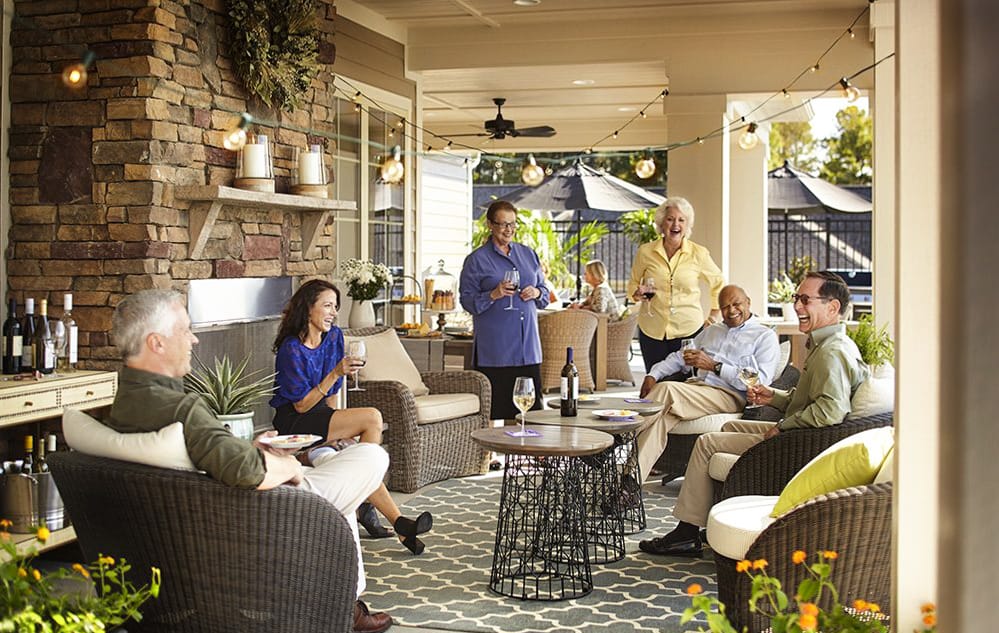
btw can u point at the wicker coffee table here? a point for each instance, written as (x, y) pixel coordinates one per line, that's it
(541, 539)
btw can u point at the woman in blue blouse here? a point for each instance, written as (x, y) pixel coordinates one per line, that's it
(507, 344)
(310, 367)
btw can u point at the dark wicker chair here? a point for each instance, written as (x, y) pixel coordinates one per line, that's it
(233, 560)
(421, 454)
(854, 522)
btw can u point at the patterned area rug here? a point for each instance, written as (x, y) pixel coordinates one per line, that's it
(448, 586)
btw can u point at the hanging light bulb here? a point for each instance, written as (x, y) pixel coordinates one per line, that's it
(850, 92)
(392, 170)
(814, 68)
(787, 95)
(235, 138)
(614, 134)
(749, 139)
(75, 75)
(852, 34)
(645, 168)
(532, 174)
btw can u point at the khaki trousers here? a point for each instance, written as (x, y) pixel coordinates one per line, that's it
(681, 401)
(697, 493)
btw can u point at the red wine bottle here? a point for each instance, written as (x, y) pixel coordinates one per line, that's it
(12, 341)
(569, 402)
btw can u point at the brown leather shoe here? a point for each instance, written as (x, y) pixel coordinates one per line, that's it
(367, 622)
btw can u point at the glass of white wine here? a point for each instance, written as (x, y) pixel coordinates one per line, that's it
(686, 345)
(749, 375)
(359, 353)
(523, 399)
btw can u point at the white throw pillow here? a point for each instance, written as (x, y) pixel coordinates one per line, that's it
(388, 360)
(876, 395)
(164, 448)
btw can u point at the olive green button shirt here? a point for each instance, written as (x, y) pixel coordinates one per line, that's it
(148, 402)
(833, 371)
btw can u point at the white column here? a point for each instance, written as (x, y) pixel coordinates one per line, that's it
(882, 103)
(748, 218)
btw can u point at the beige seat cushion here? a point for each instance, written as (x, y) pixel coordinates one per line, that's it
(721, 464)
(388, 360)
(735, 523)
(703, 424)
(164, 448)
(445, 406)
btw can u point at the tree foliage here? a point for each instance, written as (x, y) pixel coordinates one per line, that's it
(849, 153)
(793, 142)
(504, 169)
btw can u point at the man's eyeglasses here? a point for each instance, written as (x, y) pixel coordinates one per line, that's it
(505, 225)
(804, 299)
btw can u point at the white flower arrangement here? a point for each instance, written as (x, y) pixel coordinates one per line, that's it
(364, 278)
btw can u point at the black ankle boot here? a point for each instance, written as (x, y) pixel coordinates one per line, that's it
(368, 518)
(410, 528)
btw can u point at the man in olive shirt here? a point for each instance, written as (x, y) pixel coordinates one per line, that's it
(833, 371)
(153, 331)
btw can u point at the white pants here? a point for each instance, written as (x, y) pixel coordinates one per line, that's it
(345, 479)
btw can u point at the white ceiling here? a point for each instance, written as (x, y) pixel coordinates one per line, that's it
(465, 52)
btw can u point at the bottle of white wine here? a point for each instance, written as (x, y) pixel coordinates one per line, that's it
(44, 342)
(68, 348)
(569, 403)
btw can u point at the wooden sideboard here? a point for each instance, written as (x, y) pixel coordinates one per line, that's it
(29, 400)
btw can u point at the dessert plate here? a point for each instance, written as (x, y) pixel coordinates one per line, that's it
(290, 441)
(615, 414)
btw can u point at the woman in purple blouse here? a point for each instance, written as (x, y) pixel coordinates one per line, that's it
(311, 366)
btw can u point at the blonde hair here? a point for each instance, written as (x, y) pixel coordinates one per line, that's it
(681, 205)
(596, 268)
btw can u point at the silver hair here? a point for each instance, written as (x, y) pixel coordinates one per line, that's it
(681, 205)
(141, 314)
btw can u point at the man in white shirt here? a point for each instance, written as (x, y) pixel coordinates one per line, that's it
(715, 386)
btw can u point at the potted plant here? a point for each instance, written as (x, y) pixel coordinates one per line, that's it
(364, 280)
(231, 392)
(781, 291)
(877, 350)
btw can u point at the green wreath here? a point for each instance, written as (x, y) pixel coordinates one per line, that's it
(275, 48)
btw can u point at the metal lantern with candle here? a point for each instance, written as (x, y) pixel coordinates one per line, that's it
(309, 176)
(254, 168)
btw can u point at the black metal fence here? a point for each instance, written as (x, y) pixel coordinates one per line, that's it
(615, 250)
(836, 241)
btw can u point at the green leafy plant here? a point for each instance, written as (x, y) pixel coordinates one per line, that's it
(29, 603)
(875, 344)
(229, 389)
(640, 226)
(781, 289)
(769, 599)
(799, 267)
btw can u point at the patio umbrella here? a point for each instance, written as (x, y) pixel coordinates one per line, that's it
(583, 193)
(790, 189)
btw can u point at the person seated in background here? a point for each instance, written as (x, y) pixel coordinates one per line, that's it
(311, 365)
(152, 330)
(720, 350)
(832, 372)
(601, 298)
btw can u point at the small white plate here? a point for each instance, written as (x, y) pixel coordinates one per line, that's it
(588, 398)
(290, 441)
(615, 414)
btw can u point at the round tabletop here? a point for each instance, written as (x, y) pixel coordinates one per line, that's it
(586, 420)
(551, 440)
(648, 407)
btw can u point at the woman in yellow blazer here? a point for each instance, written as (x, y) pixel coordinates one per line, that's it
(677, 265)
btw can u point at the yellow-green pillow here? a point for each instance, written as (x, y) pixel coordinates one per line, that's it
(852, 461)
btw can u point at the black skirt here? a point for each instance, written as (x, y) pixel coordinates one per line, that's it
(502, 379)
(315, 421)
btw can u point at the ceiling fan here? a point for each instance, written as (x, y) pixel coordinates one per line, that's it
(500, 128)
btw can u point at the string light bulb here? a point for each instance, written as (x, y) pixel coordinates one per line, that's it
(852, 34)
(75, 75)
(614, 134)
(645, 168)
(814, 68)
(643, 114)
(392, 170)
(532, 174)
(235, 138)
(850, 92)
(787, 95)
(748, 140)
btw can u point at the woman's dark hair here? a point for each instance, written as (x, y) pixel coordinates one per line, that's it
(295, 319)
(833, 286)
(496, 207)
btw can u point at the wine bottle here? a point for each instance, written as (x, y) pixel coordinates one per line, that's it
(68, 350)
(28, 463)
(12, 342)
(41, 465)
(44, 342)
(28, 336)
(569, 402)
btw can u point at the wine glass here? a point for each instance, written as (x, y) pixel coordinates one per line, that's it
(648, 290)
(512, 277)
(686, 345)
(357, 351)
(749, 374)
(523, 399)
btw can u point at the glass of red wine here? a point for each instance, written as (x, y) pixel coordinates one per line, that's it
(648, 290)
(512, 277)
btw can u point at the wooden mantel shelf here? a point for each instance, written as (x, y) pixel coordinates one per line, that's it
(207, 201)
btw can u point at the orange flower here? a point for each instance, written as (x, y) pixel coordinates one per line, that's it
(928, 607)
(808, 608)
(77, 567)
(759, 563)
(807, 622)
(860, 605)
(929, 619)
(36, 575)
(5, 523)
(873, 606)
(43, 534)
(742, 565)
(22, 572)
(798, 557)
(106, 560)
(831, 555)
(694, 589)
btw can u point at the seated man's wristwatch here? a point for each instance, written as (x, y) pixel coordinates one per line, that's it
(717, 369)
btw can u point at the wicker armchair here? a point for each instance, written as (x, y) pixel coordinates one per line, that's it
(421, 454)
(233, 560)
(619, 336)
(562, 329)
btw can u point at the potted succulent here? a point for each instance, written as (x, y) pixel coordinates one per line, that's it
(781, 291)
(231, 392)
(877, 350)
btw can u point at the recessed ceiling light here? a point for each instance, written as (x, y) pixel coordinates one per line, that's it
(527, 3)
(583, 82)
(626, 109)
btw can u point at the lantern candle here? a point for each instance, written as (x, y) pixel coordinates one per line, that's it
(310, 167)
(255, 159)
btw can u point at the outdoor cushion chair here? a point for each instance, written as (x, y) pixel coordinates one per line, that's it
(620, 334)
(562, 329)
(429, 416)
(232, 560)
